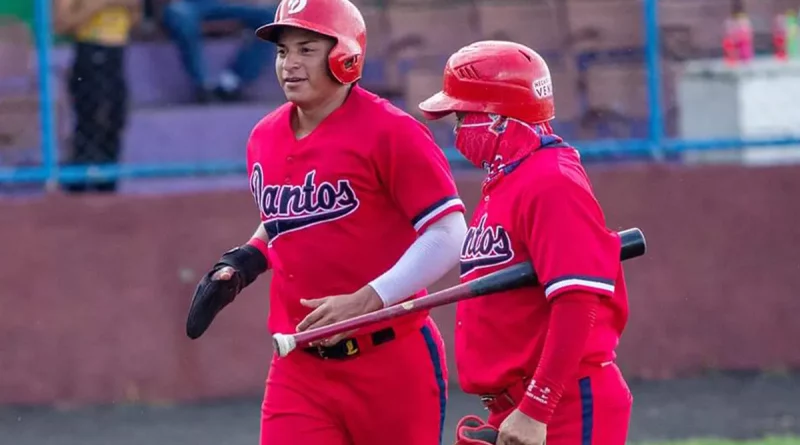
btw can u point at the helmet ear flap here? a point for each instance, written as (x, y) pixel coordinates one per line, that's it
(345, 65)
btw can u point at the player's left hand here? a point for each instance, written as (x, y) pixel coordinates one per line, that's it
(336, 308)
(519, 429)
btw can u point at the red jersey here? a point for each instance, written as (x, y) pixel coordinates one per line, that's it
(342, 204)
(545, 212)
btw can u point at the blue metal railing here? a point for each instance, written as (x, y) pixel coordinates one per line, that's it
(43, 36)
(653, 62)
(656, 146)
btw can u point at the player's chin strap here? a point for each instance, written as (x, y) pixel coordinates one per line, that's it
(472, 430)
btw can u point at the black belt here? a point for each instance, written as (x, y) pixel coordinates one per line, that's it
(349, 347)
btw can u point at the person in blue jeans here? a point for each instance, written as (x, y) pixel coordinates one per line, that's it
(183, 19)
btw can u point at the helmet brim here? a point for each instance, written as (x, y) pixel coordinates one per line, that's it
(439, 105)
(271, 31)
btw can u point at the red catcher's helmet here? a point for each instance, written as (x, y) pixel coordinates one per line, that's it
(338, 19)
(495, 77)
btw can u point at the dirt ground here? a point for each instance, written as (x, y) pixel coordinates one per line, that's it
(732, 405)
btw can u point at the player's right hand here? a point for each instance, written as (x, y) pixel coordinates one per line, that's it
(217, 289)
(224, 274)
(237, 269)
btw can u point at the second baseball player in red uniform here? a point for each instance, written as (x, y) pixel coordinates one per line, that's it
(359, 211)
(541, 358)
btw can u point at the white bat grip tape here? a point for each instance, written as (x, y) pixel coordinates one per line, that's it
(284, 344)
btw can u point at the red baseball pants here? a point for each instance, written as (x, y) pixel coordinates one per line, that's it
(360, 401)
(594, 410)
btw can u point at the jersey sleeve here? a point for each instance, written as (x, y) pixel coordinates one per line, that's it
(417, 175)
(570, 246)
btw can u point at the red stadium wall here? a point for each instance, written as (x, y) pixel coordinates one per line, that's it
(95, 289)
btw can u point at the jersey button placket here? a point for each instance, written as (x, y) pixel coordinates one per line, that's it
(288, 168)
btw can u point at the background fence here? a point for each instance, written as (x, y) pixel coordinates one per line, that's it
(616, 65)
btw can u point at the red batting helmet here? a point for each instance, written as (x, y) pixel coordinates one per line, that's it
(338, 19)
(495, 77)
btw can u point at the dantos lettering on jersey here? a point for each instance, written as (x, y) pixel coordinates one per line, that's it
(485, 247)
(287, 208)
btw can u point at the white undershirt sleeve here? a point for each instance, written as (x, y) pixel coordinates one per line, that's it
(432, 255)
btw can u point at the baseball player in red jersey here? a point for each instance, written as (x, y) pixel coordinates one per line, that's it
(359, 211)
(541, 358)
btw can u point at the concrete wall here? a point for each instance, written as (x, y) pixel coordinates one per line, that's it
(95, 289)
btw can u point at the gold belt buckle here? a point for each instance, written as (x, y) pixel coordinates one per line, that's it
(487, 399)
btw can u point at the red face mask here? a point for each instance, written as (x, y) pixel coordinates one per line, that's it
(492, 142)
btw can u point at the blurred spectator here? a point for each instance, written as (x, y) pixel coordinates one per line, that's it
(183, 20)
(98, 88)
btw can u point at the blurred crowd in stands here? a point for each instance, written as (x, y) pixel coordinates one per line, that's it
(99, 32)
(113, 57)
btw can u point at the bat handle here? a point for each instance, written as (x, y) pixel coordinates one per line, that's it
(633, 243)
(284, 344)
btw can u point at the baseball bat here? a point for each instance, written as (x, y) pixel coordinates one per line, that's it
(513, 277)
